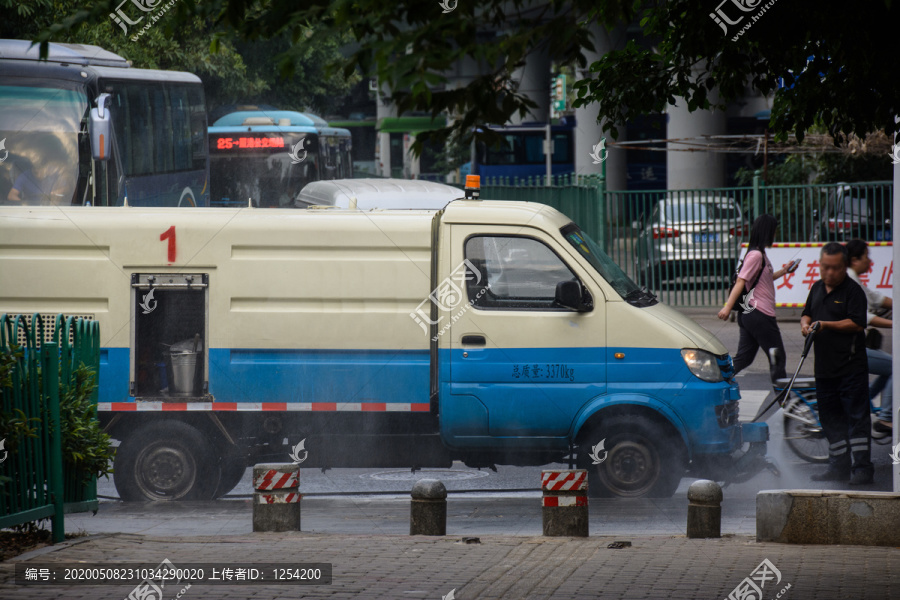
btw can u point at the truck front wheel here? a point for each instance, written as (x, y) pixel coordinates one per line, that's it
(638, 458)
(167, 460)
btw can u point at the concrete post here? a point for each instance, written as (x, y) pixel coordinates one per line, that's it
(276, 500)
(565, 504)
(704, 509)
(428, 508)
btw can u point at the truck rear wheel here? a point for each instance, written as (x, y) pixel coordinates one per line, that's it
(167, 460)
(639, 458)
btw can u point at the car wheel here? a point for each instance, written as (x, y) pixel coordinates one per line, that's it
(167, 460)
(639, 458)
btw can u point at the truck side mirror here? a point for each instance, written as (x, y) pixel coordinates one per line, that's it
(568, 295)
(101, 126)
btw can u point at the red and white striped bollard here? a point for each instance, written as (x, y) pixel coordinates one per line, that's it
(565, 503)
(276, 497)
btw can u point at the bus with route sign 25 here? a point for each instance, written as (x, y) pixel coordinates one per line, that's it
(263, 158)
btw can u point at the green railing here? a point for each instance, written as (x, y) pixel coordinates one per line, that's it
(684, 244)
(40, 368)
(579, 197)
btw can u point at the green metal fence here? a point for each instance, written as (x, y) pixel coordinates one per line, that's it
(684, 244)
(32, 483)
(579, 197)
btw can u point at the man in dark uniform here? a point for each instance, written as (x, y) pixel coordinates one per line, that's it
(839, 306)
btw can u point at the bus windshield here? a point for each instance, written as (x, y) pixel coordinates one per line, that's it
(262, 169)
(39, 144)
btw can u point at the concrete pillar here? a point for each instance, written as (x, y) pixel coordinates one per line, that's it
(704, 509)
(534, 82)
(689, 170)
(588, 130)
(383, 108)
(428, 508)
(276, 498)
(565, 503)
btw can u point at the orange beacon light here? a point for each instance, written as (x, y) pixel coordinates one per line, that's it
(473, 187)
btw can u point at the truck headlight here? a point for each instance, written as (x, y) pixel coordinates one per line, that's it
(703, 364)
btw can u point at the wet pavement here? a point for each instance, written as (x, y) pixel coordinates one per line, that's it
(467, 514)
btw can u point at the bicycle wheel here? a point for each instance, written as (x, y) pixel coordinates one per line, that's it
(803, 432)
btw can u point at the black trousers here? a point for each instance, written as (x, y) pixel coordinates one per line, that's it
(844, 413)
(759, 330)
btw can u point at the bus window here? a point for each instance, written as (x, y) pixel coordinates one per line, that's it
(181, 129)
(197, 105)
(520, 153)
(162, 121)
(137, 130)
(157, 128)
(504, 153)
(534, 148)
(562, 148)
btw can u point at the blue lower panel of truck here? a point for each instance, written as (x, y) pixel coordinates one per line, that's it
(527, 397)
(251, 375)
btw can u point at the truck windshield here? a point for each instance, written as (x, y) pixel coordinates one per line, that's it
(39, 129)
(606, 267)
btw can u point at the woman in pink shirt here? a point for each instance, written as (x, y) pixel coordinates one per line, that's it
(756, 318)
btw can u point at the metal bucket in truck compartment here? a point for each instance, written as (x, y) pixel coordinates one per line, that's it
(183, 356)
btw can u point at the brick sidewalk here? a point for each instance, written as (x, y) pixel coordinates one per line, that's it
(498, 567)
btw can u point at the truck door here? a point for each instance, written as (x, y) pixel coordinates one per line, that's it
(520, 366)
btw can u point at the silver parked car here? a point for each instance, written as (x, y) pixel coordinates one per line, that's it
(859, 210)
(689, 234)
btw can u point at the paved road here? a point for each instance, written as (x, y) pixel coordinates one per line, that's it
(497, 567)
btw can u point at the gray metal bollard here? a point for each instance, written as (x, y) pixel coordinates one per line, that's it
(276, 499)
(428, 508)
(704, 509)
(565, 503)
